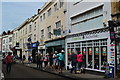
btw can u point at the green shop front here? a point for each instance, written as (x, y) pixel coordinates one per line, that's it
(55, 45)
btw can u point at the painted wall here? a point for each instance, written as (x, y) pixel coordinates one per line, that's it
(81, 8)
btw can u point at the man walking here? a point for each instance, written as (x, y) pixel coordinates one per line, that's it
(55, 60)
(9, 61)
(73, 59)
(61, 61)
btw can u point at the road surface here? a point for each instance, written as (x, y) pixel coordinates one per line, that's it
(21, 72)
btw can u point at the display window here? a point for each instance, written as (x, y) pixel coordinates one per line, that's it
(84, 51)
(103, 57)
(96, 58)
(78, 50)
(84, 56)
(90, 58)
(69, 52)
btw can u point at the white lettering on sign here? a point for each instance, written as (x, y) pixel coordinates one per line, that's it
(90, 36)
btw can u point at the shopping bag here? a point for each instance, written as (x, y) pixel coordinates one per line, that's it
(70, 66)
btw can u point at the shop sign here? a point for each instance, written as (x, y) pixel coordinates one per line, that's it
(112, 35)
(41, 47)
(17, 47)
(75, 38)
(112, 54)
(55, 43)
(90, 36)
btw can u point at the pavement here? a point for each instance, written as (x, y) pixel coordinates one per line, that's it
(67, 74)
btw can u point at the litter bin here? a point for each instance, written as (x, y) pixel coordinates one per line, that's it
(111, 71)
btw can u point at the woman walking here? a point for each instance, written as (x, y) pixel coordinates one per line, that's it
(80, 60)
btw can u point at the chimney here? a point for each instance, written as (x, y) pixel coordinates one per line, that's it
(38, 10)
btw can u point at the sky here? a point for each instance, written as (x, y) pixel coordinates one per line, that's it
(13, 14)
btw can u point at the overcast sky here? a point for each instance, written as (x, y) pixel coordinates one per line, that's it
(15, 13)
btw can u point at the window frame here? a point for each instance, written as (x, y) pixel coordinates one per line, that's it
(58, 24)
(49, 12)
(49, 32)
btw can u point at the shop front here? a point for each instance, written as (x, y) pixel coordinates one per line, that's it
(34, 50)
(41, 49)
(94, 46)
(55, 45)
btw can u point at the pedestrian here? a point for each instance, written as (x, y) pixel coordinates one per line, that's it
(38, 60)
(61, 61)
(80, 60)
(55, 60)
(50, 60)
(45, 61)
(73, 59)
(41, 61)
(9, 60)
(29, 58)
(23, 59)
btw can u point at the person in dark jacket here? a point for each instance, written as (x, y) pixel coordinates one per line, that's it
(39, 61)
(9, 60)
(73, 59)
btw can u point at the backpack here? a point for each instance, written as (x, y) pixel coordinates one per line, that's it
(9, 59)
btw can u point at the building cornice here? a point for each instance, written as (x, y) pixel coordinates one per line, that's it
(89, 32)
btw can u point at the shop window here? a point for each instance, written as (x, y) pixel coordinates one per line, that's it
(49, 32)
(68, 45)
(84, 56)
(69, 51)
(103, 57)
(77, 45)
(72, 45)
(96, 58)
(55, 7)
(49, 12)
(77, 50)
(58, 24)
(90, 61)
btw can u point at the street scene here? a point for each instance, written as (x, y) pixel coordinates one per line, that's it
(60, 39)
